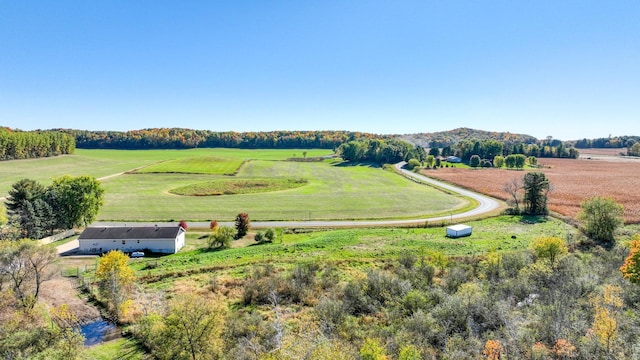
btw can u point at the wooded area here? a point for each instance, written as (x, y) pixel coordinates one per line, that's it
(15, 145)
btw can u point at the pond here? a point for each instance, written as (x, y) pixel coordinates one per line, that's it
(99, 331)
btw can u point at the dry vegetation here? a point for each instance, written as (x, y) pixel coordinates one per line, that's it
(572, 181)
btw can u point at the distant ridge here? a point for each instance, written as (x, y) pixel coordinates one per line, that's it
(451, 137)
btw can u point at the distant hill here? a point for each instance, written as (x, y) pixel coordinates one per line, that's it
(451, 137)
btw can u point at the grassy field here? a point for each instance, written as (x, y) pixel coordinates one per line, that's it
(123, 349)
(198, 165)
(100, 163)
(348, 249)
(332, 192)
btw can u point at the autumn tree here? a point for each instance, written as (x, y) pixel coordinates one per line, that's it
(242, 225)
(492, 350)
(605, 322)
(372, 350)
(631, 267)
(115, 281)
(536, 187)
(600, 217)
(183, 224)
(549, 248)
(498, 161)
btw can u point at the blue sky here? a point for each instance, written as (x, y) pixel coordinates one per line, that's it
(567, 69)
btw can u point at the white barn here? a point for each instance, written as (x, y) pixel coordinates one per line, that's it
(158, 239)
(459, 230)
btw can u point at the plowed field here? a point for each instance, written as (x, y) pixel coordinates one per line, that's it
(572, 182)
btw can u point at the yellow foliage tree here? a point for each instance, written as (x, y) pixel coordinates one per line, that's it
(607, 306)
(115, 280)
(549, 248)
(631, 267)
(372, 350)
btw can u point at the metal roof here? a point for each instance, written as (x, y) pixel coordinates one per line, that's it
(131, 232)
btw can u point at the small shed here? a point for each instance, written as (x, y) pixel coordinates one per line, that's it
(459, 230)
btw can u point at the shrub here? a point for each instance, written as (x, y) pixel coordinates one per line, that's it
(270, 235)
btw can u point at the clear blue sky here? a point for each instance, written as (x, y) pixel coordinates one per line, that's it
(567, 69)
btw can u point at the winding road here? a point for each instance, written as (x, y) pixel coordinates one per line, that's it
(486, 205)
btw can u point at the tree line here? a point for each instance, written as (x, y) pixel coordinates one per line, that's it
(616, 142)
(35, 210)
(489, 149)
(15, 144)
(179, 138)
(380, 151)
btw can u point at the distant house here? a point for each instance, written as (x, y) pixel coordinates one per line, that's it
(459, 230)
(453, 159)
(157, 239)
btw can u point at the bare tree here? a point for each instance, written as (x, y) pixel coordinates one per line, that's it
(514, 188)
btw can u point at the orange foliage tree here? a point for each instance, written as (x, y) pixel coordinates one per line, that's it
(492, 349)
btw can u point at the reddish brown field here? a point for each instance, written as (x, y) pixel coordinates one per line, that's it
(572, 181)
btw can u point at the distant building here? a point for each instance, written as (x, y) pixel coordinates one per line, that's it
(158, 239)
(459, 230)
(453, 159)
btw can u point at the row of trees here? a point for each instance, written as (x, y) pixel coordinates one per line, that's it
(489, 149)
(608, 142)
(178, 138)
(33, 144)
(35, 210)
(381, 151)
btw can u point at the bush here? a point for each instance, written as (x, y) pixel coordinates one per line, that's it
(270, 235)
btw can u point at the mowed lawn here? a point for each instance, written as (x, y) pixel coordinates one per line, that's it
(333, 192)
(100, 163)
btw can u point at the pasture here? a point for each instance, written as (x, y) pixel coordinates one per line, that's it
(332, 192)
(102, 163)
(573, 180)
(143, 185)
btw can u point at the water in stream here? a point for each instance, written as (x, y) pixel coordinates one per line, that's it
(99, 331)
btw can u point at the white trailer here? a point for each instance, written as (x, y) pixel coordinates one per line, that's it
(456, 231)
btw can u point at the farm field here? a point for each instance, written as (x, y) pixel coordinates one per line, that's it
(573, 181)
(100, 163)
(332, 192)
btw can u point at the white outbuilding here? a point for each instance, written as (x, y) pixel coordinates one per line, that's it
(166, 239)
(458, 230)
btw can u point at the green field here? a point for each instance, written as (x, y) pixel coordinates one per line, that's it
(353, 248)
(238, 186)
(199, 165)
(100, 163)
(333, 190)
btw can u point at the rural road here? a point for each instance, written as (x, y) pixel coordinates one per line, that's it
(486, 204)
